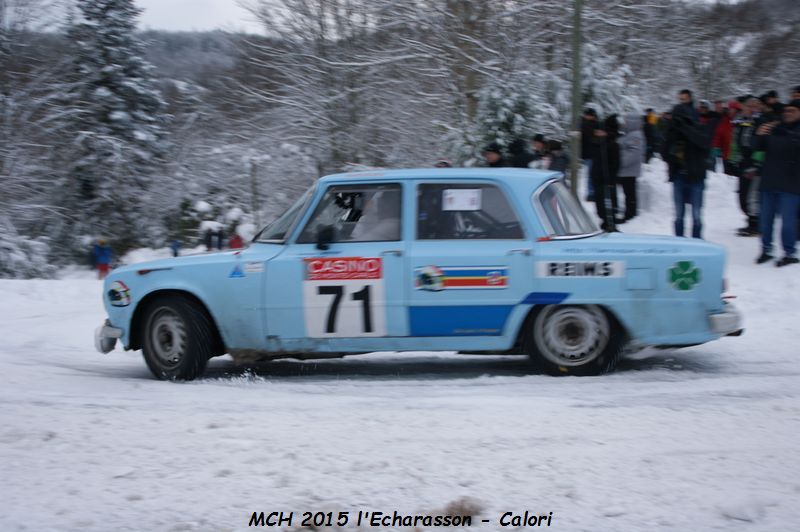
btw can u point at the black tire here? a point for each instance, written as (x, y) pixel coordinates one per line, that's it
(577, 340)
(177, 338)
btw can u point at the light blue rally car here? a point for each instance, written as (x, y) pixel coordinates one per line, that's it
(472, 260)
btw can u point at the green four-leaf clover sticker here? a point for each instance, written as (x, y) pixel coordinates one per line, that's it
(684, 275)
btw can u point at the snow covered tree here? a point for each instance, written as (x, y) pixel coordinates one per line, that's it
(28, 95)
(117, 130)
(525, 103)
(21, 257)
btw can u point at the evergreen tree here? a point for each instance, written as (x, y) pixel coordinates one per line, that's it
(117, 129)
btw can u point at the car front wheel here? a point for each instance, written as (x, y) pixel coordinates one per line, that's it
(574, 340)
(177, 338)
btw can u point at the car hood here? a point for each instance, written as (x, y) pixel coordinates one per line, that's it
(257, 251)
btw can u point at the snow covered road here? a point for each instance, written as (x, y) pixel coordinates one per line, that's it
(704, 438)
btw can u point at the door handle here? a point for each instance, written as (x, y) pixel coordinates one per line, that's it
(395, 252)
(522, 251)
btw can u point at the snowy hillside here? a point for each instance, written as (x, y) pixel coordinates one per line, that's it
(702, 438)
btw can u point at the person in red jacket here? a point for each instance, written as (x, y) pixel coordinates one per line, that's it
(236, 242)
(723, 135)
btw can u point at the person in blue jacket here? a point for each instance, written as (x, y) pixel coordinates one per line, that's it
(101, 258)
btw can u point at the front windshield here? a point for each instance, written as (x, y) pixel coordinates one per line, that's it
(562, 214)
(282, 224)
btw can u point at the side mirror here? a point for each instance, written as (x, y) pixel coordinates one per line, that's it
(325, 236)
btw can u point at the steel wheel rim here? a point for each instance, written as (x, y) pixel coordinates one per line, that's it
(571, 336)
(167, 337)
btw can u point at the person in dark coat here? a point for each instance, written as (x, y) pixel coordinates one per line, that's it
(519, 157)
(744, 164)
(687, 104)
(605, 166)
(650, 121)
(493, 155)
(539, 148)
(589, 124)
(685, 149)
(780, 182)
(559, 160)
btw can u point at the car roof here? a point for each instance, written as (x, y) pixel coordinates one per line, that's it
(514, 176)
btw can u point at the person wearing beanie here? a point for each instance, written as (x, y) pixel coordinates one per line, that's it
(493, 155)
(559, 160)
(780, 182)
(539, 150)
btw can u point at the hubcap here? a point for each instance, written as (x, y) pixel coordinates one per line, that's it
(167, 336)
(571, 336)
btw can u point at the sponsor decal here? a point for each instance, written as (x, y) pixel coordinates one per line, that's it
(253, 267)
(237, 272)
(343, 268)
(344, 297)
(434, 278)
(119, 294)
(580, 269)
(684, 275)
(430, 278)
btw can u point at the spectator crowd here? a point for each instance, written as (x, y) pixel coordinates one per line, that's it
(756, 140)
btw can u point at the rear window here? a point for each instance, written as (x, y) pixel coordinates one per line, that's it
(465, 211)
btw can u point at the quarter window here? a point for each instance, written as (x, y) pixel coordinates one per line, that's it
(465, 211)
(563, 215)
(356, 213)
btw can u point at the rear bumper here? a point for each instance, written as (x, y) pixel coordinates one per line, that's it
(728, 322)
(105, 337)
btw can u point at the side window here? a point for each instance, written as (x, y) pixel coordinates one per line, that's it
(356, 213)
(460, 211)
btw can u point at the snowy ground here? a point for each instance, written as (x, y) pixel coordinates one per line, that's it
(701, 439)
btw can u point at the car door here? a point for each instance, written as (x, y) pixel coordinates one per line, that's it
(470, 260)
(338, 284)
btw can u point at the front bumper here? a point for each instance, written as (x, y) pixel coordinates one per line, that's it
(728, 322)
(105, 337)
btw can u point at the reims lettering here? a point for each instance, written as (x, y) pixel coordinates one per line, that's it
(580, 269)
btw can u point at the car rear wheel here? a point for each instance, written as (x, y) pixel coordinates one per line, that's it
(178, 338)
(574, 340)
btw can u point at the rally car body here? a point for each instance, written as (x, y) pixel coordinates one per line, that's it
(476, 255)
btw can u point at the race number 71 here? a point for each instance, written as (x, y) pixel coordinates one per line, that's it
(337, 291)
